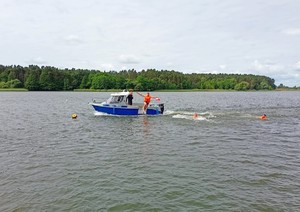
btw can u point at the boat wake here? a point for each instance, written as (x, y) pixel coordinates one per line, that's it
(190, 115)
(96, 113)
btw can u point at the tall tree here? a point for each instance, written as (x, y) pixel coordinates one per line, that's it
(32, 81)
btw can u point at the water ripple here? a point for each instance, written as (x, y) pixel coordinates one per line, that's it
(228, 161)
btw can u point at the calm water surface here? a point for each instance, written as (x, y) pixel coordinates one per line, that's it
(226, 160)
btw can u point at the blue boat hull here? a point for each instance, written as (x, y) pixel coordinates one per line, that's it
(124, 110)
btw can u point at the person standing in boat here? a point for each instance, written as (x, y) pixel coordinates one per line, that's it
(147, 100)
(129, 98)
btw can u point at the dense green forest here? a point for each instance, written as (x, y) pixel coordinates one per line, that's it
(46, 78)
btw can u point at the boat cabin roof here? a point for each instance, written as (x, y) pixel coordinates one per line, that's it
(123, 93)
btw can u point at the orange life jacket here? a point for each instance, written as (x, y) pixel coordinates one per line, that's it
(263, 117)
(147, 98)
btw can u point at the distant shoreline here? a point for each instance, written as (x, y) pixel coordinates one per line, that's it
(13, 90)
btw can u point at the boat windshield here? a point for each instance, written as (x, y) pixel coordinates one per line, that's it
(115, 99)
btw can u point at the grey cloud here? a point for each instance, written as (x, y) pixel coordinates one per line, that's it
(129, 59)
(37, 60)
(194, 35)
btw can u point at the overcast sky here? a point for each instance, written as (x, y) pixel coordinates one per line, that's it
(200, 36)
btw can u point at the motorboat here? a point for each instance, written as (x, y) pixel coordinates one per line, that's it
(117, 104)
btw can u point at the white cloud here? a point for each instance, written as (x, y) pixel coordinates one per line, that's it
(223, 66)
(266, 67)
(38, 60)
(106, 67)
(297, 66)
(73, 40)
(129, 59)
(285, 74)
(292, 31)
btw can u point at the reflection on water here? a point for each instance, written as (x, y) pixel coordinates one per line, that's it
(146, 129)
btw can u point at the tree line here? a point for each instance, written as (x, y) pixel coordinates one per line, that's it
(48, 78)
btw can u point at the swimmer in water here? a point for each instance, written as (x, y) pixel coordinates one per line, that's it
(263, 117)
(195, 116)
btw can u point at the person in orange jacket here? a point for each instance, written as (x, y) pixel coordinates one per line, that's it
(147, 100)
(263, 117)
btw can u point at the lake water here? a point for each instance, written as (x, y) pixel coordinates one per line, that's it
(225, 160)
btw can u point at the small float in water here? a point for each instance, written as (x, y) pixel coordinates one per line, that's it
(117, 104)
